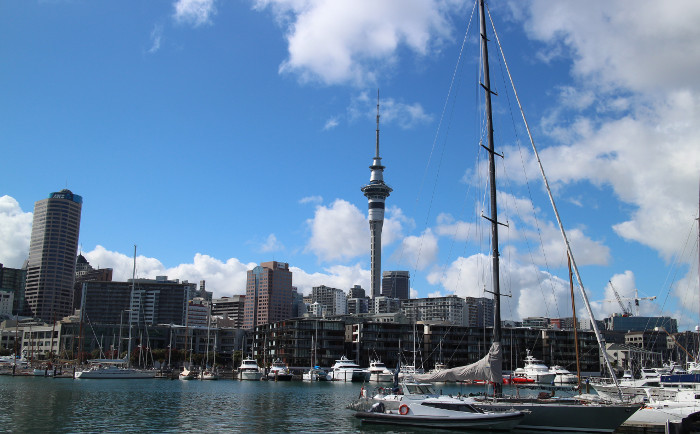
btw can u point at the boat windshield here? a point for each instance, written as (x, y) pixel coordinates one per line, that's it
(420, 389)
(466, 408)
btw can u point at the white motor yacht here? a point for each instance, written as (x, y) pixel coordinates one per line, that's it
(249, 370)
(535, 370)
(347, 370)
(316, 374)
(279, 371)
(563, 375)
(379, 373)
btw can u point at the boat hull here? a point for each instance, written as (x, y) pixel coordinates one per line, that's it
(251, 376)
(473, 421)
(381, 377)
(115, 374)
(565, 417)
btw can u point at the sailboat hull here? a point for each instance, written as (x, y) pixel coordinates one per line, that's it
(568, 416)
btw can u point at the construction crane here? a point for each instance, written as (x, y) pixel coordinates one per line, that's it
(627, 311)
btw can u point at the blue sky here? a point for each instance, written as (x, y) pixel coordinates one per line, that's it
(217, 134)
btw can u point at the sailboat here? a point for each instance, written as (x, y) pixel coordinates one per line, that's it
(209, 372)
(561, 415)
(113, 369)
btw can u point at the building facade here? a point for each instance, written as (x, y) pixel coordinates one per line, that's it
(479, 311)
(231, 307)
(268, 294)
(85, 273)
(333, 300)
(449, 310)
(396, 284)
(52, 252)
(13, 280)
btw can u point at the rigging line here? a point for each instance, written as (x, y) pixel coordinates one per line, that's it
(455, 83)
(527, 184)
(599, 338)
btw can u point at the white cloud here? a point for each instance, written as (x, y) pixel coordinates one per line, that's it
(337, 42)
(15, 232)
(338, 276)
(331, 123)
(534, 292)
(403, 114)
(271, 244)
(194, 12)
(311, 199)
(340, 232)
(417, 252)
(223, 278)
(156, 36)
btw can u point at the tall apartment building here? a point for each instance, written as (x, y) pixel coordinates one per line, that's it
(268, 295)
(479, 311)
(13, 279)
(396, 284)
(198, 311)
(52, 251)
(333, 300)
(232, 307)
(450, 310)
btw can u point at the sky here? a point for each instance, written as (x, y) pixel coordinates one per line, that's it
(219, 134)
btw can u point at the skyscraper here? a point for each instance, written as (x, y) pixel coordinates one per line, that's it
(268, 295)
(396, 284)
(376, 192)
(52, 252)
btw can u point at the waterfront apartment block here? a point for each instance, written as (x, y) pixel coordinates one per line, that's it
(268, 294)
(449, 310)
(382, 304)
(396, 284)
(641, 323)
(198, 311)
(159, 301)
(52, 252)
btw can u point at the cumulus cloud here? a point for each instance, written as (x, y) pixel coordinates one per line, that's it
(533, 292)
(338, 276)
(418, 252)
(337, 42)
(340, 232)
(223, 278)
(311, 199)
(194, 12)
(15, 232)
(271, 244)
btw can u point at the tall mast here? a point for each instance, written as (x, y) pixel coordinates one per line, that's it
(498, 387)
(131, 310)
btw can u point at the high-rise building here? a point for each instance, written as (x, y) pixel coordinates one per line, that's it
(333, 300)
(479, 312)
(52, 251)
(85, 273)
(268, 295)
(13, 279)
(232, 307)
(396, 284)
(376, 192)
(451, 309)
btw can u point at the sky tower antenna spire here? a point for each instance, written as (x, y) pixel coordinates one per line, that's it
(377, 153)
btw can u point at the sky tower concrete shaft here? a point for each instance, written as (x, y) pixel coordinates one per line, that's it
(376, 192)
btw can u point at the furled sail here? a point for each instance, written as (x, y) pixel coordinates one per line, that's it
(490, 368)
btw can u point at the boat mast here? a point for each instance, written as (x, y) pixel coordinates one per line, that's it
(573, 310)
(498, 386)
(131, 305)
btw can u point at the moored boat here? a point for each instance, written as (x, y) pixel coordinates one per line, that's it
(279, 371)
(379, 373)
(113, 369)
(345, 369)
(249, 370)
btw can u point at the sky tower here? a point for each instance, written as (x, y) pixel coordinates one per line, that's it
(376, 192)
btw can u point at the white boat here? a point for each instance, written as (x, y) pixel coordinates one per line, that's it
(417, 405)
(249, 370)
(535, 370)
(408, 371)
(187, 375)
(673, 410)
(113, 369)
(347, 370)
(379, 373)
(316, 374)
(209, 374)
(563, 375)
(279, 371)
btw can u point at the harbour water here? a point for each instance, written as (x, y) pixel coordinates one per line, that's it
(37, 404)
